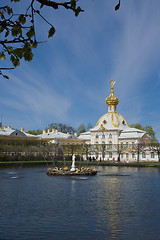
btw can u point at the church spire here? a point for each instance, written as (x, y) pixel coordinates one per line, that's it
(112, 101)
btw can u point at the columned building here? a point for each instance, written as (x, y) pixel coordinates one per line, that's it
(115, 139)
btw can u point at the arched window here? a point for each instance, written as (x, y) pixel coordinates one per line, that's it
(133, 145)
(127, 145)
(97, 136)
(110, 145)
(143, 155)
(110, 135)
(121, 144)
(103, 136)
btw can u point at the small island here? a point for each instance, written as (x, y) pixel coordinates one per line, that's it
(83, 171)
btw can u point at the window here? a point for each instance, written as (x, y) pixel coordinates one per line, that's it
(133, 145)
(122, 155)
(110, 145)
(97, 136)
(103, 136)
(121, 145)
(127, 155)
(143, 155)
(152, 155)
(133, 155)
(103, 142)
(110, 135)
(110, 155)
(127, 145)
(104, 121)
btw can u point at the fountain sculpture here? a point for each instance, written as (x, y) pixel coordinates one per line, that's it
(83, 171)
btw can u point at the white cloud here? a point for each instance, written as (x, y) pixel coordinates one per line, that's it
(29, 93)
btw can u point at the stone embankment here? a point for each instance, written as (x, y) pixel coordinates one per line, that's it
(83, 171)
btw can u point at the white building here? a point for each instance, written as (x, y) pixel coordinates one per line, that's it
(116, 138)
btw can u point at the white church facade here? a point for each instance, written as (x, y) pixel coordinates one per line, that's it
(115, 139)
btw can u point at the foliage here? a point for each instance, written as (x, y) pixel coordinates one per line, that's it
(137, 125)
(18, 30)
(80, 129)
(147, 129)
(35, 132)
(61, 128)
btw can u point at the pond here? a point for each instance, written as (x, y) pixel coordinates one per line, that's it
(117, 203)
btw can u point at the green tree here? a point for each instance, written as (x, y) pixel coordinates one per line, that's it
(80, 129)
(137, 125)
(148, 129)
(151, 133)
(18, 29)
(61, 128)
(35, 132)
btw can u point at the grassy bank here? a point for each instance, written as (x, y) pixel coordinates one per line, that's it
(30, 163)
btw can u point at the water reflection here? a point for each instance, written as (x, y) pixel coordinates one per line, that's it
(118, 203)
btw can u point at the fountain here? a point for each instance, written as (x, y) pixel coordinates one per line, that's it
(83, 171)
(73, 167)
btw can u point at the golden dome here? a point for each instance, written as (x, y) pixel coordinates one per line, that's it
(112, 100)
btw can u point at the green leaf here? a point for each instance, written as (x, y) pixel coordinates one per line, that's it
(22, 19)
(31, 32)
(1, 29)
(2, 14)
(9, 48)
(2, 56)
(77, 11)
(51, 31)
(18, 52)
(9, 10)
(16, 30)
(15, 61)
(28, 55)
(34, 44)
(73, 4)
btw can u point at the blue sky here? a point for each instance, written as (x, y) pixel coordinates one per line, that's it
(69, 77)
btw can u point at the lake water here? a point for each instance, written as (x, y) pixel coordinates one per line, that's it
(117, 203)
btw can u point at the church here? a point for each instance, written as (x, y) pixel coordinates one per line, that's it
(115, 139)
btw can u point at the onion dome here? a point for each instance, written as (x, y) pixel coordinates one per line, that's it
(112, 101)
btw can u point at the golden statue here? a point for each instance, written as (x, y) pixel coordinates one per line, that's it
(112, 83)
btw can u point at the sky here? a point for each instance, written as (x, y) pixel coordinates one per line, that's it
(69, 77)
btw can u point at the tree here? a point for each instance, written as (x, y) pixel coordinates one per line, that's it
(35, 132)
(137, 125)
(18, 30)
(147, 129)
(80, 129)
(151, 133)
(61, 128)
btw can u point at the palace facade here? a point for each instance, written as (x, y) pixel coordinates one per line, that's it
(110, 139)
(114, 139)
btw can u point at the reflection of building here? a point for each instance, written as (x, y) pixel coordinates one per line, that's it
(116, 138)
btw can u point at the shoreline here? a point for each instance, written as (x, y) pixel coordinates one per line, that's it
(78, 164)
